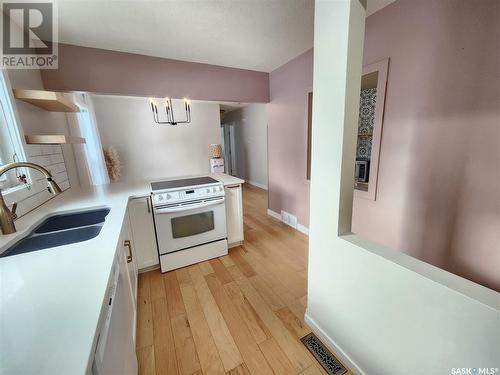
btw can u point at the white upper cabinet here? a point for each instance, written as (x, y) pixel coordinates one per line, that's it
(234, 214)
(143, 232)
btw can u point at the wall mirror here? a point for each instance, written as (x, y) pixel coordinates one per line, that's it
(371, 117)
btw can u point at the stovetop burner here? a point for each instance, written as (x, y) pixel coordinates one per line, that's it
(185, 182)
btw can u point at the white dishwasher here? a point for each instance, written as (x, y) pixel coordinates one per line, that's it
(115, 350)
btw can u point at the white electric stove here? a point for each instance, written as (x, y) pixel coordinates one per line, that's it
(190, 221)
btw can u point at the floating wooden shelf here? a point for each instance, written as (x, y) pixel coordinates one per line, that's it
(52, 139)
(49, 100)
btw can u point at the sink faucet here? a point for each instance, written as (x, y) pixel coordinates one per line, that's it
(6, 216)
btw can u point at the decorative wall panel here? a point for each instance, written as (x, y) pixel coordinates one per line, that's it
(368, 99)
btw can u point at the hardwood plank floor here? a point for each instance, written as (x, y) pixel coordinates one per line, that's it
(238, 314)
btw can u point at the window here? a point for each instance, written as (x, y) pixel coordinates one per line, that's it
(89, 158)
(10, 140)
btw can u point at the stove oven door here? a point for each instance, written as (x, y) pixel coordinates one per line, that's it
(190, 225)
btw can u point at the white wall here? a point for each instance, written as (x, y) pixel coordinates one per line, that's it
(251, 142)
(149, 151)
(59, 160)
(383, 311)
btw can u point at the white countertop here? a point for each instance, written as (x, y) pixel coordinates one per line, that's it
(50, 300)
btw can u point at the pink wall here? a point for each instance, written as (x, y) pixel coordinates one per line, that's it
(287, 137)
(439, 179)
(111, 72)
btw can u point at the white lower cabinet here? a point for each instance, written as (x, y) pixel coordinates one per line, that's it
(129, 250)
(234, 214)
(143, 232)
(115, 350)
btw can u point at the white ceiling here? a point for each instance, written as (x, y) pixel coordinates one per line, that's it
(375, 5)
(249, 34)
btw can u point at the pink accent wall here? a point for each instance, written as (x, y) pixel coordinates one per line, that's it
(438, 196)
(110, 72)
(287, 137)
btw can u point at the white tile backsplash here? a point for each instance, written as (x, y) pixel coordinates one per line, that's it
(30, 197)
(60, 177)
(56, 158)
(33, 150)
(40, 159)
(64, 185)
(56, 168)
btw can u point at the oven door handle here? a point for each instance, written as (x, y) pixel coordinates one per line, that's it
(188, 207)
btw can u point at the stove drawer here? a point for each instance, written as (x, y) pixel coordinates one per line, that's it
(193, 255)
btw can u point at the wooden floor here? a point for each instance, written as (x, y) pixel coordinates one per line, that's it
(238, 314)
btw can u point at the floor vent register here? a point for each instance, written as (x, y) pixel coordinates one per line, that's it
(327, 360)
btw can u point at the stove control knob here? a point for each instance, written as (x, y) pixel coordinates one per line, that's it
(214, 190)
(220, 188)
(168, 196)
(208, 190)
(160, 197)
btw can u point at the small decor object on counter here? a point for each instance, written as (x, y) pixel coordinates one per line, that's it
(215, 150)
(216, 165)
(216, 161)
(113, 163)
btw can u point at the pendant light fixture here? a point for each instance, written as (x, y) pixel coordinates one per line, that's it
(170, 112)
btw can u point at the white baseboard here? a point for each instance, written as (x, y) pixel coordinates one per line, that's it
(273, 214)
(300, 227)
(257, 184)
(303, 229)
(332, 345)
(149, 268)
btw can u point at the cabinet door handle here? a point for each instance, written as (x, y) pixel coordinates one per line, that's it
(149, 206)
(129, 245)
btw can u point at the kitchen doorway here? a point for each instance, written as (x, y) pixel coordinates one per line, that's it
(229, 148)
(244, 141)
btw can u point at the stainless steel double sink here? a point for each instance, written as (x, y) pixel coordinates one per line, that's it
(61, 229)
